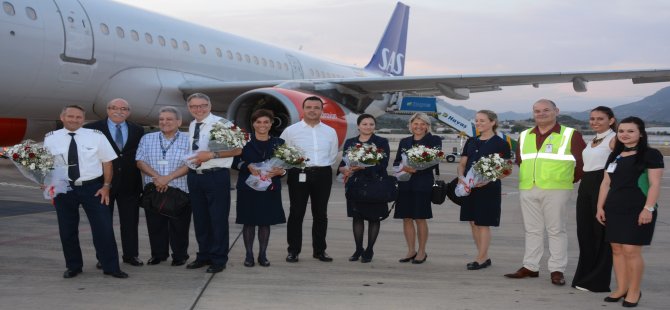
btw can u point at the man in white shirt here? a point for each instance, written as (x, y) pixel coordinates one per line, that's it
(209, 187)
(89, 158)
(319, 142)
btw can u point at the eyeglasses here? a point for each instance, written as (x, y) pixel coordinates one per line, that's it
(200, 106)
(123, 109)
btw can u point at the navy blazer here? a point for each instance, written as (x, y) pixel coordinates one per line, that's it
(252, 153)
(127, 177)
(380, 168)
(421, 180)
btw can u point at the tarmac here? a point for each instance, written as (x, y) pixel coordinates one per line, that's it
(32, 265)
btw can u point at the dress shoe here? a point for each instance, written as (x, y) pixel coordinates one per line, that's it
(354, 257)
(420, 261)
(215, 268)
(155, 260)
(476, 266)
(198, 264)
(323, 257)
(366, 257)
(117, 274)
(292, 258)
(179, 262)
(614, 299)
(557, 278)
(629, 304)
(523, 272)
(134, 261)
(263, 261)
(71, 273)
(407, 259)
(98, 265)
(249, 261)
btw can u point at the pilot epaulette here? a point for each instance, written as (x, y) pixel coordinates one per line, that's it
(49, 133)
(97, 131)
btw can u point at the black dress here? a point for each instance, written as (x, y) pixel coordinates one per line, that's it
(258, 207)
(482, 206)
(368, 210)
(626, 199)
(414, 195)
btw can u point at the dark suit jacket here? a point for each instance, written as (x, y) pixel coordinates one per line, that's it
(127, 177)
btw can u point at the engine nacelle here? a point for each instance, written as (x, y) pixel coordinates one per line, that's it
(287, 107)
(15, 130)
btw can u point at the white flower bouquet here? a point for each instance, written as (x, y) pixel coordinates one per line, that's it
(227, 136)
(486, 169)
(37, 164)
(421, 157)
(287, 157)
(363, 155)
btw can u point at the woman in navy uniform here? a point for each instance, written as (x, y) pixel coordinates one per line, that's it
(362, 211)
(414, 205)
(258, 208)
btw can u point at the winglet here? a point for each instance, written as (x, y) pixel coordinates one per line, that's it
(389, 58)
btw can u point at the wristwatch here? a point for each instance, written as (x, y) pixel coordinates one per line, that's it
(216, 155)
(650, 208)
(108, 185)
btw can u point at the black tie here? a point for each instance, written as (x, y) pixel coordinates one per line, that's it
(196, 136)
(72, 159)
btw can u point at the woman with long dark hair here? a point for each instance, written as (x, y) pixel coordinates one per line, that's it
(594, 269)
(627, 206)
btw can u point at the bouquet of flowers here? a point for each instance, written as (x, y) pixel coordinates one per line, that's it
(260, 182)
(486, 169)
(227, 136)
(421, 157)
(363, 155)
(37, 164)
(287, 157)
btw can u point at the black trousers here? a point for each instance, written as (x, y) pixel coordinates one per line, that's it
(594, 269)
(128, 204)
(165, 233)
(317, 189)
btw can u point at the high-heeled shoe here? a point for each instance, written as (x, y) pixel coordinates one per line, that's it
(263, 261)
(249, 261)
(366, 257)
(407, 259)
(615, 299)
(354, 257)
(629, 304)
(420, 261)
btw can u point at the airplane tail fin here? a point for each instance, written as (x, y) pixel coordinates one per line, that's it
(389, 58)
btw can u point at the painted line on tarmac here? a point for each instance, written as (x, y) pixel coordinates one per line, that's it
(19, 185)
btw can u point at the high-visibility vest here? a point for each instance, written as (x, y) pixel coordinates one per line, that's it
(550, 167)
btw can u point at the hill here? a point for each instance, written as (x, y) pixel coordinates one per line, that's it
(654, 108)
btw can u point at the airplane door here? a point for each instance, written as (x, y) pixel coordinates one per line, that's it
(296, 67)
(78, 33)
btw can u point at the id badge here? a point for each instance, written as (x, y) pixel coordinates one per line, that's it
(549, 148)
(611, 168)
(302, 177)
(162, 162)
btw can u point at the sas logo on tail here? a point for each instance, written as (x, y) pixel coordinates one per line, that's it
(392, 62)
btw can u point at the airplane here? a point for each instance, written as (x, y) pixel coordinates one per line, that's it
(61, 52)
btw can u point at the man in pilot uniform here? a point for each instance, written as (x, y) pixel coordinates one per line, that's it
(89, 158)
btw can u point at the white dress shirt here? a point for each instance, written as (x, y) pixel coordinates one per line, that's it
(203, 141)
(596, 157)
(93, 149)
(319, 143)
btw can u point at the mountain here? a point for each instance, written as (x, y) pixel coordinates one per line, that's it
(652, 108)
(470, 114)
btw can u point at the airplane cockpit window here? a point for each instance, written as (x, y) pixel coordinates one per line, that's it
(203, 50)
(311, 72)
(256, 60)
(135, 35)
(104, 29)
(30, 12)
(161, 40)
(238, 56)
(9, 8)
(120, 32)
(174, 44)
(285, 67)
(185, 46)
(264, 62)
(229, 54)
(247, 58)
(218, 52)
(149, 38)
(272, 64)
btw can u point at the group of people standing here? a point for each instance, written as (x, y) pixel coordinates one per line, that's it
(616, 204)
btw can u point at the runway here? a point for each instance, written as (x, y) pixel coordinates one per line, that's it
(32, 265)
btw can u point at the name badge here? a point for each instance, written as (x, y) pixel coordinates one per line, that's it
(549, 148)
(611, 168)
(302, 177)
(162, 162)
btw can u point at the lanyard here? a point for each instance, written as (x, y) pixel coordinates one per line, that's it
(165, 149)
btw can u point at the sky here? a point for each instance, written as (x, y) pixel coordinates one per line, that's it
(448, 37)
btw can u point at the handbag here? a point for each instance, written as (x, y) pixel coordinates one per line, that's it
(439, 192)
(373, 212)
(451, 192)
(372, 188)
(170, 203)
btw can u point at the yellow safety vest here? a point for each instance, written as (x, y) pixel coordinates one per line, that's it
(550, 167)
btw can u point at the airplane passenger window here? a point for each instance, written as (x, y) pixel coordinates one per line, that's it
(255, 60)
(264, 62)
(247, 58)
(203, 50)
(161, 40)
(238, 56)
(120, 32)
(185, 46)
(104, 29)
(272, 63)
(135, 35)
(9, 8)
(31, 13)
(174, 44)
(229, 54)
(218, 52)
(149, 38)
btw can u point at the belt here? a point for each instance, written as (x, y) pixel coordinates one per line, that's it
(203, 171)
(316, 168)
(87, 182)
